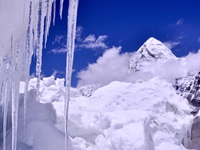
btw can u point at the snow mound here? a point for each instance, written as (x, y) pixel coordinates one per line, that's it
(123, 116)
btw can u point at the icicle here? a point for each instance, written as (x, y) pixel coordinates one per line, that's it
(5, 100)
(1, 88)
(5, 112)
(39, 47)
(72, 17)
(5, 109)
(15, 97)
(14, 130)
(15, 64)
(27, 62)
(48, 21)
(61, 8)
(1, 84)
(6, 93)
(54, 12)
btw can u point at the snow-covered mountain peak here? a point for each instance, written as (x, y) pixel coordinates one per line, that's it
(150, 52)
(155, 49)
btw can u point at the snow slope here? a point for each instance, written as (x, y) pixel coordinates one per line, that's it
(119, 116)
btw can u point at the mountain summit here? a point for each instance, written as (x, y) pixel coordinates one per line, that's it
(151, 51)
(155, 49)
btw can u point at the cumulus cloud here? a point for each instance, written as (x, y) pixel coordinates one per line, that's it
(192, 61)
(114, 66)
(171, 44)
(175, 68)
(106, 67)
(109, 67)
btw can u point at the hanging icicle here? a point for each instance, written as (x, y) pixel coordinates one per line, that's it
(27, 62)
(54, 12)
(48, 21)
(26, 32)
(5, 95)
(71, 33)
(39, 47)
(15, 78)
(61, 8)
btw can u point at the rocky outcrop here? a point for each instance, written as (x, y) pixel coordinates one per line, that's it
(189, 88)
(194, 139)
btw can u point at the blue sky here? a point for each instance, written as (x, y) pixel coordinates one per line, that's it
(102, 24)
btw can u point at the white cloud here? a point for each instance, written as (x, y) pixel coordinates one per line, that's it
(179, 22)
(171, 44)
(58, 51)
(90, 38)
(58, 39)
(91, 41)
(110, 67)
(192, 61)
(79, 31)
(113, 66)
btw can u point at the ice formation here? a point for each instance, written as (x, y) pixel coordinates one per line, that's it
(71, 34)
(24, 24)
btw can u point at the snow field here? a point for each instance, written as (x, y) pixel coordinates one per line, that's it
(119, 116)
